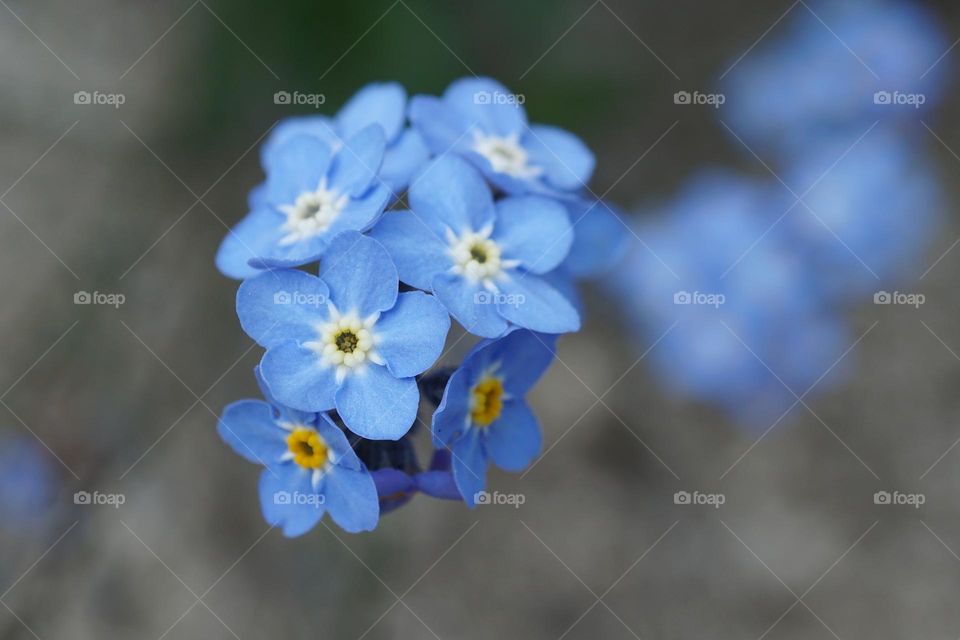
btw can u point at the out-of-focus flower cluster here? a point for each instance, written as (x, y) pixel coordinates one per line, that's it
(417, 211)
(745, 279)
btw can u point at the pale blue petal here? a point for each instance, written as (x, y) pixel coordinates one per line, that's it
(341, 452)
(376, 405)
(521, 357)
(443, 129)
(351, 499)
(249, 427)
(361, 213)
(356, 165)
(382, 103)
(282, 304)
(451, 194)
(417, 250)
(513, 440)
(360, 274)
(253, 237)
(278, 486)
(600, 238)
(453, 415)
(469, 466)
(295, 166)
(316, 126)
(412, 334)
(488, 103)
(403, 159)
(297, 378)
(534, 230)
(567, 162)
(470, 305)
(532, 303)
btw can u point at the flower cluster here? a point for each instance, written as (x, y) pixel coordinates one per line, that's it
(748, 279)
(418, 211)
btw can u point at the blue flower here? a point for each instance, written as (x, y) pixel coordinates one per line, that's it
(396, 487)
(381, 103)
(481, 120)
(600, 237)
(28, 483)
(310, 468)
(483, 415)
(313, 191)
(483, 260)
(347, 340)
(840, 67)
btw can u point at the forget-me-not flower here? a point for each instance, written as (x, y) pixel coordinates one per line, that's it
(484, 122)
(347, 340)
(483, 260)
(483, 416)
(313, 192)
(310, 467)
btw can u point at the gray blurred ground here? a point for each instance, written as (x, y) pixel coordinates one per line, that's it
(105, 200)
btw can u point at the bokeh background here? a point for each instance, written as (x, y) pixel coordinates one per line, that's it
(123, 401)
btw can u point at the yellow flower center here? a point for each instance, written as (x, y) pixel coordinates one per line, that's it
(308, 448)
(486, 401)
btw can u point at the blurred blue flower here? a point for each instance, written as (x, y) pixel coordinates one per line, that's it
(346, 340)
(310, 468)
(718, 270)
(484, 122)
(381, 103)
(600, 237)
(28, 483)
(868, 212)
(841, 66)
(313, 191)
(483, 260)
(483, 415)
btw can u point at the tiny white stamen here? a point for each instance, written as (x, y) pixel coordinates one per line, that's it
(477, 258)
(346, 342)
(505, 154)
(312, 213)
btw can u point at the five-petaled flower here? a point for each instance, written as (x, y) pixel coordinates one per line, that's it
(483, 415)
(315, 189)
(310, 468)
(483, 260)
(481, 120)
(347, 340)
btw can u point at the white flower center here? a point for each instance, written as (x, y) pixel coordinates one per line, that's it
(505, 154)
(312, 213)
(476, 257)
(346, 342)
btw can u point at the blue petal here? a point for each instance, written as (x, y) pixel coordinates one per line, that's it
(248, 426)
(295, 254)
(297, 165)
(285, 413)
(407, 155)
(567, 162)
(417, 250)
(444, 129)
(376, 405)
(513, 440)
(351, 499)
(533, 230)
(382, 103)
(342, 453)
(469, 466)
(297, 378)
(316, 126)
(488, 103)
(253, 237)
(531, 303)
(360, 214)
(356, 165)
(282, 304)
(412, 334)
(452, 416)
(449, 193)
(394, 488)
(278, 486)
(600, 238)
(437, 484)
(522, 357)
(360, 274)
(470, 304)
